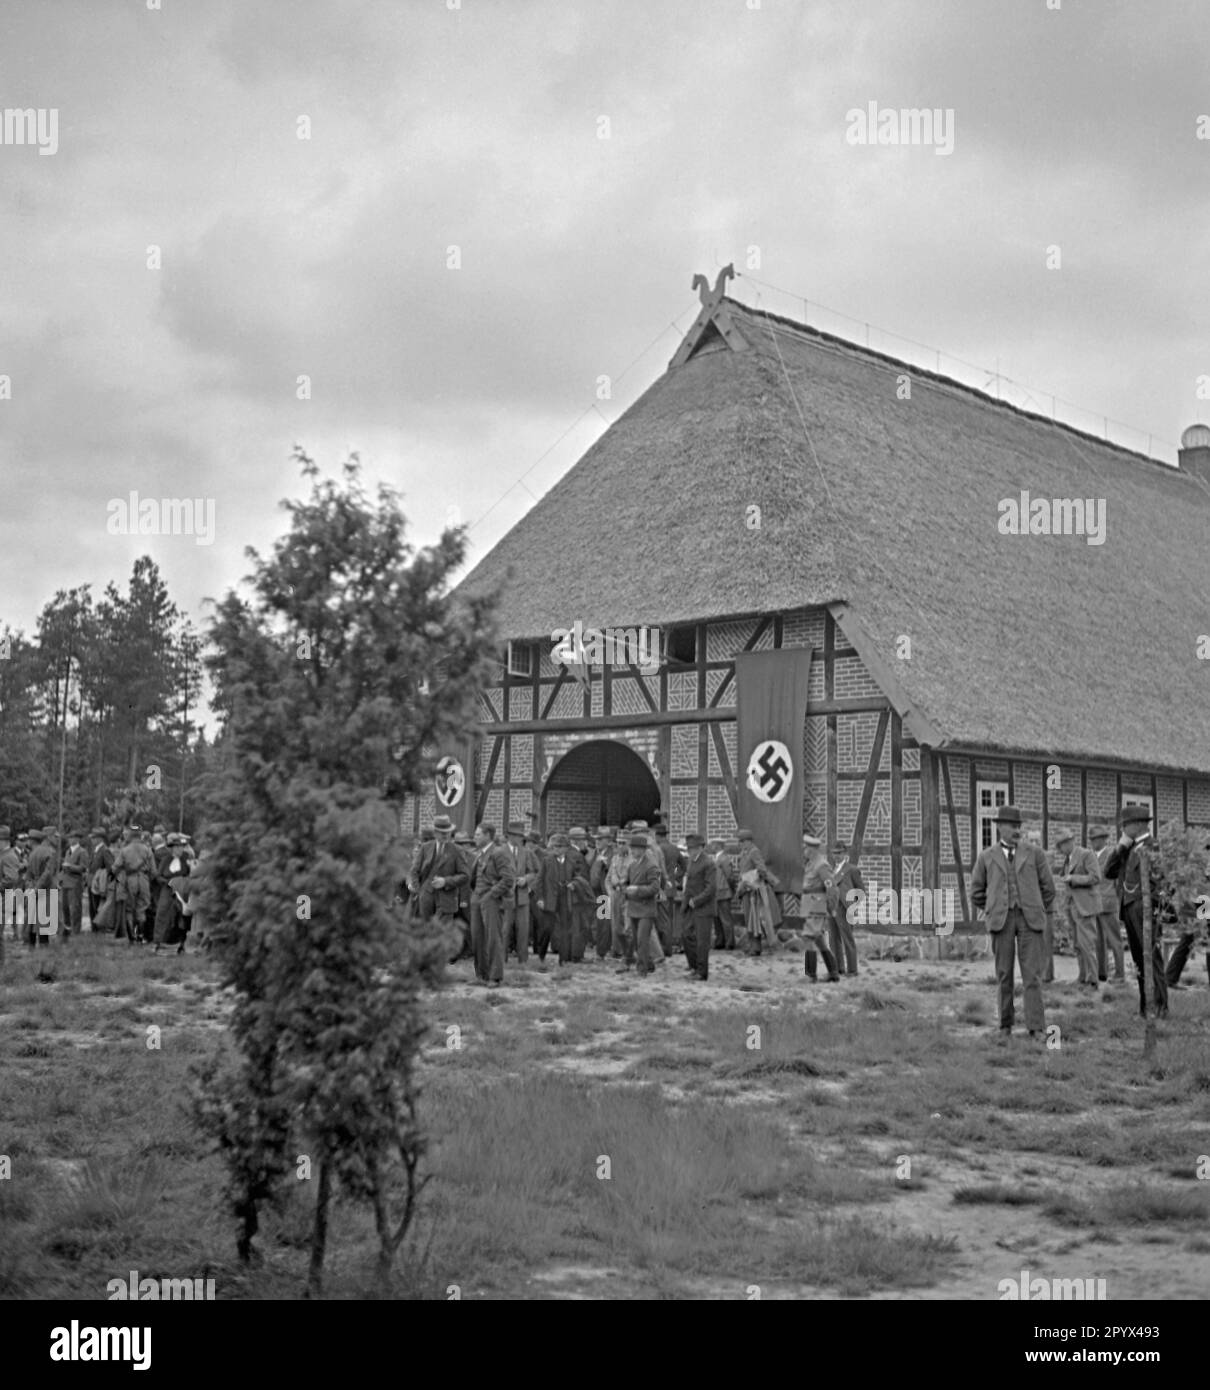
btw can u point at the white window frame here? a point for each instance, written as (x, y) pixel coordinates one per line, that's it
(986, 814)
(1140, 799)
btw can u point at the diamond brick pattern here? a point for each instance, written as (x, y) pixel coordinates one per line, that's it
(683, 817)
(521, 703)
(911, 759)
(713, 680)
(723, 640)
(522, 757)
(684, 750)
(913, 871)
(682, 690)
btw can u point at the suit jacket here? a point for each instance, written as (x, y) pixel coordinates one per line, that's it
(726, 874)
(598, 874)
(448, 862)
(526, 867)
(701, 885)
(493, 875)
(845, 878)
(1035, 884)
(1083, 889)
(644, 877)
(1123, 864)
(1107, 889)
(563, 886)
(42, 867)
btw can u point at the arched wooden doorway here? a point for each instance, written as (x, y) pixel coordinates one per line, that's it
(598, 783)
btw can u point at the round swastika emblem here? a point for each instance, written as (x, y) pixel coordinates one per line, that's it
(449, 781)
(770, 770)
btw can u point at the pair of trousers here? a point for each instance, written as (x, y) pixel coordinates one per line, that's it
(603, 930)
(516, 929)
(486, 939)
(544, 929)
(1109, 939)
(1132, 915)
(724, 927)
(1018, 941)
(697, 932)
(815, 932)
(1048, 950)
(1180, 954)
(72, 914)
(1084, 934)
(844, 946)
(665, 920)
(642, 929)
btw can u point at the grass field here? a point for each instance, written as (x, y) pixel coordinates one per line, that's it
(598, 1136)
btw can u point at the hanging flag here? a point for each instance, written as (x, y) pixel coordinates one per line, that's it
(771, 692)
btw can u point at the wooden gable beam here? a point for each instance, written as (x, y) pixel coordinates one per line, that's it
(915, 721)
(713, 311)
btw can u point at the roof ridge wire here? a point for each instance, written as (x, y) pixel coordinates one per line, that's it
(672, 323)
(962, 361)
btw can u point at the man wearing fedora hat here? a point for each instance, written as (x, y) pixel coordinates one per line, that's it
(1082, 875)
(1013, 886)
(643, 881)
(698, 896)
(1109, 931)
(1124, 865)
(526, 868)
(562, 888)
(443, 874)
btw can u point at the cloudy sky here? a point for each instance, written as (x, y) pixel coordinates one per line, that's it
(500, 202)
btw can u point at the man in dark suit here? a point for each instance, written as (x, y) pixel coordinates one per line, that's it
(563, 889)
(443, 876)
(698, 897)
(492, 884)
(1014, 887)
(1123, 865)
(667, 919)
(598, 881)
(845, 877)
(516, 927)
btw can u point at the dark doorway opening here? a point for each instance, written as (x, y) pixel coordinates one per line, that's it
(599, 783)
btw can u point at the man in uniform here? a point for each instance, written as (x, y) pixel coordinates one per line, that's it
(643, 879)
(698, 898)
(71, 878)
(1109, 932)
(516, 928)
(1123, 865)
(134, 868)
(40, 874)
(492, 884)
(1082, 875)
(817, 881)
(1014, 886)
(846, 876)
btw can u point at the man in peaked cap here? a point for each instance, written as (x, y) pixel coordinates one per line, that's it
(818, 895)
(1109, 929)
(698, 897)
(1013, 885)
(41, 871)
(1082, 875)
(1124, 866)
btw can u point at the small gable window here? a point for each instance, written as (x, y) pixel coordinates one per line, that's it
(520, 659)
(682, 644)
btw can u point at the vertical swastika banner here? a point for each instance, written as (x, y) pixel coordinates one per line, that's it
(772, 698)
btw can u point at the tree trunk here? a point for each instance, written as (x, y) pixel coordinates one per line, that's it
(319, 1232)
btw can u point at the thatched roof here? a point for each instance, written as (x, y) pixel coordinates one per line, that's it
(1030, 643)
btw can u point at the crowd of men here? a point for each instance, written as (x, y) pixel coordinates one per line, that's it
(625, 894)
(131, 882)
(631, 896)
